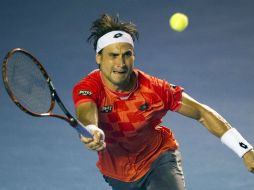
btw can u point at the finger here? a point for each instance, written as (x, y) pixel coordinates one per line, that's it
(97, 136)
(91, 145)
(100, 147)
(103, 146)
(96, 146)
(85, 139)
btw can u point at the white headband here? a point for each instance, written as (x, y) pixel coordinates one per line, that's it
(113, 37)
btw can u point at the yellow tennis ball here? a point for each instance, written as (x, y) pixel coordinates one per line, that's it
(178, 22)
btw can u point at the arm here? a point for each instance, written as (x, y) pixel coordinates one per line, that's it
(211, 120)
(87, 114)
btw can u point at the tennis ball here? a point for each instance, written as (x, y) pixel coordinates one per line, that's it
(178, 22)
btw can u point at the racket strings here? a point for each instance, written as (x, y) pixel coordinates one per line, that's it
(28, 84)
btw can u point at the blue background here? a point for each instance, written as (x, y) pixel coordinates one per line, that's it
(213, 60)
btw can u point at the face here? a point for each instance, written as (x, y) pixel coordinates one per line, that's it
(116, 64)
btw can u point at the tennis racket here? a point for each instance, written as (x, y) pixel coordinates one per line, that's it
(31, 89)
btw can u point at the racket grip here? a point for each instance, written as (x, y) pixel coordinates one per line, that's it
(82, 130)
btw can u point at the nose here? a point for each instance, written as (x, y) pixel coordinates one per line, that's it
(120, 61)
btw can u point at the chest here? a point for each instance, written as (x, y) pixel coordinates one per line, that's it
(126, 118)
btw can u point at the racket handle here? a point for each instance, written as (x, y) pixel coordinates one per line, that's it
(82, 130)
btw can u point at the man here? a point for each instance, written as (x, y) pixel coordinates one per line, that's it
(125, 106)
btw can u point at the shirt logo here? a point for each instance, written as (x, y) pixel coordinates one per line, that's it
(144, 107)
(118, 35)
(107, 109)
(85, 93)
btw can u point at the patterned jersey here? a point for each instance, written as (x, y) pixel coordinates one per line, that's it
(131, 122)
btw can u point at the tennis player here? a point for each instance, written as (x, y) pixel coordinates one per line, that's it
(127, 105)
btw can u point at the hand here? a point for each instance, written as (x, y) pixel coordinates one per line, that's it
(96, 143)
(248, 159)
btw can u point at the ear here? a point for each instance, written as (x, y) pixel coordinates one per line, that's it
(98, 58)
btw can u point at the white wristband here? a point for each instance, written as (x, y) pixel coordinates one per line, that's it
(92, 128)
(234, 140)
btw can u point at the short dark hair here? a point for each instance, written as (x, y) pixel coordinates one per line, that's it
(107, 23)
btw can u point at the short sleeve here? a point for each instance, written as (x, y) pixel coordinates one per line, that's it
(172, 96)
(86, 90)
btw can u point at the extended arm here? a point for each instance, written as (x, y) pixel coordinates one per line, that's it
(211, 120)
(87, 114)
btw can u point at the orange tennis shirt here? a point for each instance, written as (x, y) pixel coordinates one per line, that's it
(131, 122)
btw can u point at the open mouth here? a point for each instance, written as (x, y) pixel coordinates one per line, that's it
(119, 72)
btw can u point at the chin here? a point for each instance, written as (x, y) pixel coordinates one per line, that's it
(120, 80)
(119, 83)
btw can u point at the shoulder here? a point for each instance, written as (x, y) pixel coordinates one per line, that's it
(93, 78)
(90, 84)
(88, 88)
(150, 80)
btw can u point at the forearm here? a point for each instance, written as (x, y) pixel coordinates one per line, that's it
(229, 136)
(213, 121)
(87, 113)
(218, 126)
(208, 117)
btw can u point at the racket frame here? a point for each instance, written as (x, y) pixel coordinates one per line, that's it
(54, 96)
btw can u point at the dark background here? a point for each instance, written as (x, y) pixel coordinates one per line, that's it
(212, 60)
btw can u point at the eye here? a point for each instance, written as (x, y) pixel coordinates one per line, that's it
(128, 54)
(113, 55)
